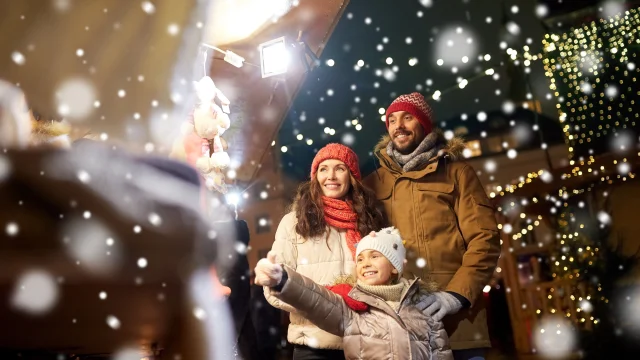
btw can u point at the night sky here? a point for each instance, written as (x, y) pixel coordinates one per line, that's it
(372, 31)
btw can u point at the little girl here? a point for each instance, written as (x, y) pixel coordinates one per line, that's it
(391, 324)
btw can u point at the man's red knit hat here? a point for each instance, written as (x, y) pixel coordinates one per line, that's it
(414, 104)
(337, 152)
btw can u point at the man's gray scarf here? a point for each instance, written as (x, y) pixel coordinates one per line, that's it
(427, 149)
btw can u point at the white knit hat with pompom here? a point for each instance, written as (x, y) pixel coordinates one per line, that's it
(388, 242)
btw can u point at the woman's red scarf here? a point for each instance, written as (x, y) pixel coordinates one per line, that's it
(339, 214)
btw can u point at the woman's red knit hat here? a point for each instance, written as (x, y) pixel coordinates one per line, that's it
(337, 152)
(414, 104)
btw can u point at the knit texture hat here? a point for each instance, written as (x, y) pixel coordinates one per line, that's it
(337, 152)
(414, 104)
(387, 242)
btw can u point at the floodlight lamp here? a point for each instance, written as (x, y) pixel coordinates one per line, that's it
(233, 198)
(274, 57)
(233, 59)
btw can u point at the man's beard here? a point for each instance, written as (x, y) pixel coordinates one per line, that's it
(405, 149)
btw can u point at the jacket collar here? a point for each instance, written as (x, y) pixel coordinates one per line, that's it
(452, 150)
(379, 303)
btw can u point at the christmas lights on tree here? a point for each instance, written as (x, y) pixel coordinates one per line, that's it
(593, 76)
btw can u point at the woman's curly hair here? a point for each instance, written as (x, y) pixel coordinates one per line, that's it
(308, 207)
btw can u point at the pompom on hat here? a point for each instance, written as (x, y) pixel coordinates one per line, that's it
(414, 104)
(337, 152)
(387, 242)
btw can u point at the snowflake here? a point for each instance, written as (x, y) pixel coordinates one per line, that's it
(546, 177)
(490, 166)
(389, 75)
(12, 229)
(173, 29)
(155, 219)
(240, 247)
(513, 28)
(75, 98)
(542, 10)
(508, 107)
(453, 45)
(36, 292)
(554, 337)
(62, 5)
(348, 139)
(612, 8)
(624, 168)
(148, 7)
(199, 313)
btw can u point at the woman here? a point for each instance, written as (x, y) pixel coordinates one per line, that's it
(318, 238)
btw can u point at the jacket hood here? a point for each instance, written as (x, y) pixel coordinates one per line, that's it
(453, 147)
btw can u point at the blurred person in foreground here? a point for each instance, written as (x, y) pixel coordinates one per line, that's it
(87, 220)
(440, 207)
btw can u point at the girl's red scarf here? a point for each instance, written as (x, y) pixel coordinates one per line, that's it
(339, 214)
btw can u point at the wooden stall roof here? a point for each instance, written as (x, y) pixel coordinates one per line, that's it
(258, 106)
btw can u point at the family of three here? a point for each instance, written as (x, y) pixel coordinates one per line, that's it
(392, 266)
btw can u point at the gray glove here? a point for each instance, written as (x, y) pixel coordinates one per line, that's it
(439, 304)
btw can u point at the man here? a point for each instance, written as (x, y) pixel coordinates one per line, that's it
(444, 215)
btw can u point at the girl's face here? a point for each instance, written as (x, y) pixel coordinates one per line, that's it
(334, 179)
(373, 268)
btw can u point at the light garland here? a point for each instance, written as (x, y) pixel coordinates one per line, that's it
(580, 168)
(586, 66)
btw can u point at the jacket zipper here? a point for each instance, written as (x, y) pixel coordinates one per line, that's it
(413, 282)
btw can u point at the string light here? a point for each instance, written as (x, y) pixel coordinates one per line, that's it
(592, 79)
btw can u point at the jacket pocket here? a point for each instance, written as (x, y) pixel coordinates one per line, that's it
(485, 213)
(436, 201)
(437, 187)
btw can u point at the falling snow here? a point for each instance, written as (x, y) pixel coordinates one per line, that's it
(113, 322)
(173, 29)
(554, 337)
(12, 229)
(155, 219)
(148, 7)
(36, 292)
(454, 44)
